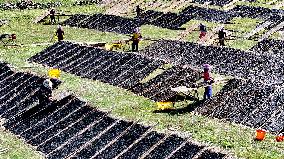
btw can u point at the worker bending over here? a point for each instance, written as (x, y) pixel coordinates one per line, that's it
(203, 31)
(208, 80)
(45, 92)
(136, 37)
(221, 36)
(60, 33)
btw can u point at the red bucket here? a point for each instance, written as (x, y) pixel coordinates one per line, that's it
(13, 36)
(260, 134)
(279, 138)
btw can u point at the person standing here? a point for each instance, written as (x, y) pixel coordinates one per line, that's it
(60, 33)
(221, 36)
(135, 40)
(45, 92)
(208, 80)
(203, 31)
(52, 16)
(137, 19)
(138, 11)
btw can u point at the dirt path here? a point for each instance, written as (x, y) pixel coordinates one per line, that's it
(187, 32)
(165, 5)
(271, 2)
(152, 5)
(41, 17)
(124, 7)
(230, 5)
(211, 36)
(116, 7)
(105, 3)
(273, 30)
(176, 5)
(131, 9)
(279, 5)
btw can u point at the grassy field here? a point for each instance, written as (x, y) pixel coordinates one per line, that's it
(13, 148)
(235, 138)
(260, 3)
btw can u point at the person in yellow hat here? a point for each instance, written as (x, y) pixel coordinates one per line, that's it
(136, 37)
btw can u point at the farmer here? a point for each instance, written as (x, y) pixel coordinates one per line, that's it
(52, 16)
(59, 33)
(208, 80)
(138, 11)
(135, 39)
(203, 31)
(221, 36)
(45, 92)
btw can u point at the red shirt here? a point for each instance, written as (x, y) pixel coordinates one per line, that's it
(206, 76)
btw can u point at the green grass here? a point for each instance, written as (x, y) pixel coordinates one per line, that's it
(28, 32)
(64, 2)
(156, 33)
(12, 147)
(241, 44)
(276, 35)
(127, 105)
(258, 3)
(156, 72)
(124, 104)
(240, 28)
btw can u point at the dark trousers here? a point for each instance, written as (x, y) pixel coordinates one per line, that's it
(43, 100)
(135, 45)
(52, 19)
(137, 14)
(222, 42)
(207, 93)
(60, 37)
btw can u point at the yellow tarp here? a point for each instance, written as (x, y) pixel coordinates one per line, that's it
(164, 105)
(54, 73)
(108, 47)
